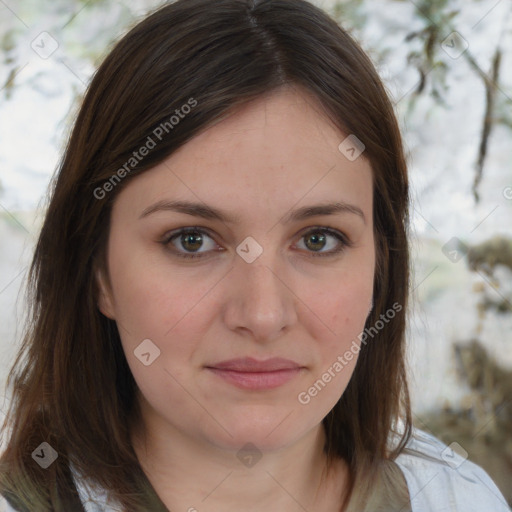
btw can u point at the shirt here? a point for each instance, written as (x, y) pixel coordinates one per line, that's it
(438, 478)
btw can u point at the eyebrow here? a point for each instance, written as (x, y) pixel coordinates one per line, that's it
(208, 212)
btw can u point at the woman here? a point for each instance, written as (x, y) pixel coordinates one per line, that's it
(220, 284)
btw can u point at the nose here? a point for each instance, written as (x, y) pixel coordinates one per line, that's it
(260, 303)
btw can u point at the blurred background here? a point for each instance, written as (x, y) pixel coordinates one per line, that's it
(447, 66)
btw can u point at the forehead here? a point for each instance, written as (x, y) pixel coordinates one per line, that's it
(287, 124)
(279, 149)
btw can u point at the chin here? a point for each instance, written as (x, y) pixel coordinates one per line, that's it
(267, 433)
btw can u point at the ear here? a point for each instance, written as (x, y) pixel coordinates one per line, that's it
(104, 299)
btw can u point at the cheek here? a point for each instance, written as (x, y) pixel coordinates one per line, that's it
(337, 319)
(347, 312)
(340, 309)
(151, 302)
(337, 351)
(154, 304)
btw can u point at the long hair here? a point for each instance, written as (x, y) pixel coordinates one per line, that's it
(71, 383)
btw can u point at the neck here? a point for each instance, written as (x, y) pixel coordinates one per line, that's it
(193, 475)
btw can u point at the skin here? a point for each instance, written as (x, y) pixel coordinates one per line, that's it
(275, 154)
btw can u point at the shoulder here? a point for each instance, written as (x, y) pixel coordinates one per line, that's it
(440, 479)
(91, 497)
(4, 505)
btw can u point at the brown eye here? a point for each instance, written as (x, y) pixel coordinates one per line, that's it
(315, 241)
(187, 242)
(191, 241)
(318, 238)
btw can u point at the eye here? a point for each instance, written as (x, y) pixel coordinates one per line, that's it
(190, 239)
(187, 242)
(318, 238)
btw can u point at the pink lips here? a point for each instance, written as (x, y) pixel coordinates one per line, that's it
(250, 373)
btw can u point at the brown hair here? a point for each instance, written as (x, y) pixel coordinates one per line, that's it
(71, 383)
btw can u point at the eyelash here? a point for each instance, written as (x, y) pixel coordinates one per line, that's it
(341, 237)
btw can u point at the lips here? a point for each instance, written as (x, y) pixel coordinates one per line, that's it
(248, 364)
(249, 373)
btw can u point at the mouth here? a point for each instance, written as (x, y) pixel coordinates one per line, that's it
(249, 373)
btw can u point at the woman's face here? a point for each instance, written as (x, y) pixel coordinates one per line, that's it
(265, 282)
